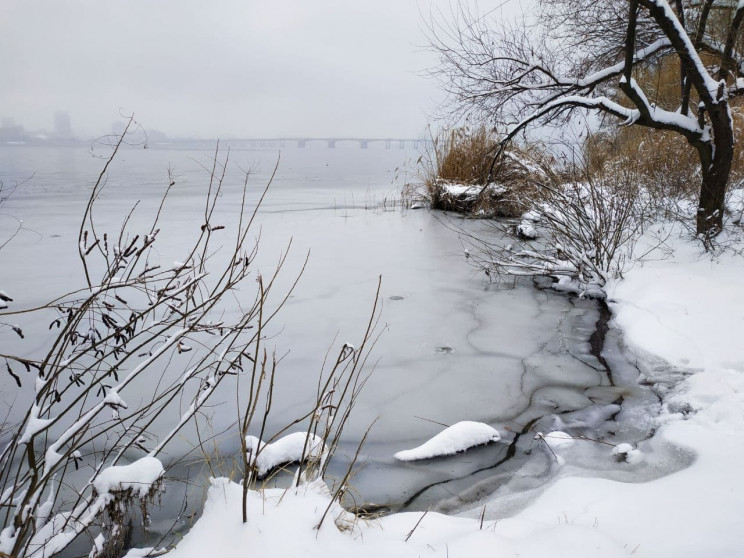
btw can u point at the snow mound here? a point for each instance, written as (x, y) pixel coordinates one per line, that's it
(138, 476)
(556, 439)
(526, 230)
(627, 454)
(454, 439)
(288, 449)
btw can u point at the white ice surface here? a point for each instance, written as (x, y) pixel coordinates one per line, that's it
(453, 439)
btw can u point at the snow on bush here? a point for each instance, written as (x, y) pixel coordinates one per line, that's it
(139, 477)
(457, 438)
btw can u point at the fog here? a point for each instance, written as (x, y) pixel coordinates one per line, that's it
(240, 68)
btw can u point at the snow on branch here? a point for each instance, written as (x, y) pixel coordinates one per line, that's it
(705, 85)
(139, 477)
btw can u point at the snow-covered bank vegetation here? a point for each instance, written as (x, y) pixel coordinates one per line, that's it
(458, 173)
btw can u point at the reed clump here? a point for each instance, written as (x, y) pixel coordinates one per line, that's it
(464, 170)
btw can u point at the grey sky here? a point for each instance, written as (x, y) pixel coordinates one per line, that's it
(246, 68)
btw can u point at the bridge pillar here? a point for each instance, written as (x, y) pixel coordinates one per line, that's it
(331, 144)
(401, 144)
(301, 143)
(387, 143)
(364, 144)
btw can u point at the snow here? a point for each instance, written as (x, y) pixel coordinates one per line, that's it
(556, 439)
(526, 230)
(144, 552)
(138, 476)
(453, 439)
(113, 399)
(626, 452)
(688, 310)
(667, 118)
(34, 425)
(460, 190)
(288, 449)
(685, 309)
(468, 190)
(98, 543)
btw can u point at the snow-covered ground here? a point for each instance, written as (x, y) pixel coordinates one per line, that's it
(685, 316)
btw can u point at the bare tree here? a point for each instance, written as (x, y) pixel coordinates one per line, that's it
(584, 53)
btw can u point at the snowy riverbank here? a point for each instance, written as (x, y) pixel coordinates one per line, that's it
(687, 310)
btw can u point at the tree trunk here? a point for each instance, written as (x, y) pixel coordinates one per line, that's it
(715, 160)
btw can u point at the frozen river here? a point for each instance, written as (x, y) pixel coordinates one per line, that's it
(456, 347)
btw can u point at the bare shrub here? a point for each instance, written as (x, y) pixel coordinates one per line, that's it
(337, 393)
(588, 228)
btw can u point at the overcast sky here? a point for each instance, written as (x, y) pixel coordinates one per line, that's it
(240, 68)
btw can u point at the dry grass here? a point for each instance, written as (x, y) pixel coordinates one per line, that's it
(663, 162)
(465, 156)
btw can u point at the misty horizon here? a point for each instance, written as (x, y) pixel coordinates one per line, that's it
(9, 126)
(241, 69)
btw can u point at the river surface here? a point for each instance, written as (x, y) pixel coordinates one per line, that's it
(456, 346)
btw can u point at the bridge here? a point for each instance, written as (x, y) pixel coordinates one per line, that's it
(300, 142)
